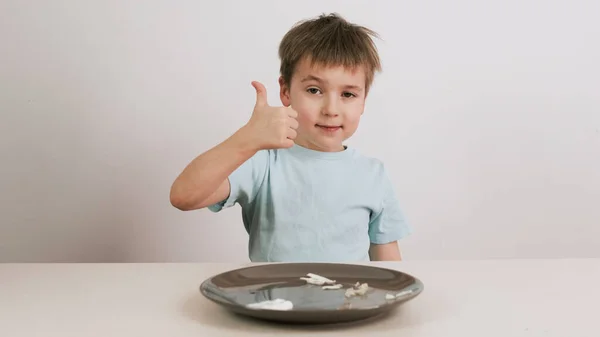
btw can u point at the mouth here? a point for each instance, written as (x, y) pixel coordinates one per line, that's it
(329, 127)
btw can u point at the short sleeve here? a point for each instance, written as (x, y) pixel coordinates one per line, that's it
(245, 182)
(388, 223)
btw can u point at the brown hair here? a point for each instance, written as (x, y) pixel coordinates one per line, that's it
(329, 40)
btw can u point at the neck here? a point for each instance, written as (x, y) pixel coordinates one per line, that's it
(314, 147)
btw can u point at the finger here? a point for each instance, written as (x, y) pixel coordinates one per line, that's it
(288, 143)
(292, 113)
(261, 93)
(291, 134)
(293, 123)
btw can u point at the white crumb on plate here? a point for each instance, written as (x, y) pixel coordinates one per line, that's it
(390, 296)
(312, 281)
(317, 279)
(277, 304)
(394, 296)
(357, 290)
(333, 287)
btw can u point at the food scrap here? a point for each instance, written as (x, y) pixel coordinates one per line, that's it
(317, 279)
(395, 296)
(277, 304)
(327, 284)
(357, 290)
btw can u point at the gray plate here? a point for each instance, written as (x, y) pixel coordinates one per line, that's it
(311, 304)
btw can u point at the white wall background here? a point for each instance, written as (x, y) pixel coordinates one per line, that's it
(494, 106)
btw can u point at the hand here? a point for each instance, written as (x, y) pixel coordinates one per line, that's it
(271, 127)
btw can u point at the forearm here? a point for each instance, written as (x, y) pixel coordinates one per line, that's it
(203, 175)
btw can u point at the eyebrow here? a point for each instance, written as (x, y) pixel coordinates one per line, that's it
(320, 80)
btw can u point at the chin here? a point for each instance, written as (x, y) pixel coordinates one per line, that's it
(330, 146)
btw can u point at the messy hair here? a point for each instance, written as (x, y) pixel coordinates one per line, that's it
(329, 40)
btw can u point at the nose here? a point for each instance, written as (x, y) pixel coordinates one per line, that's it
(330, 107)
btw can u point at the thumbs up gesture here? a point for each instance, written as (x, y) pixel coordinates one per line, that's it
(271, 127)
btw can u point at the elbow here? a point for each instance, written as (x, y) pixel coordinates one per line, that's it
(183, 205)
(179, 201)
(179, 204)
(186, 199)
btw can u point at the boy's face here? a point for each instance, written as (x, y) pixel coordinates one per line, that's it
(329, 102)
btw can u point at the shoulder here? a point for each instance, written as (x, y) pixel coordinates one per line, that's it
(367, 164)
(373, 172)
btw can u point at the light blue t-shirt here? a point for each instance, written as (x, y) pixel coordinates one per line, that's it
(301, 205)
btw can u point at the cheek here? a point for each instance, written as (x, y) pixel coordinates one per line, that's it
(306, 109)
(354, 113)
(305, 119)
(352, 119)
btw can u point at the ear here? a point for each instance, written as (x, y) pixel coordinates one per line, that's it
(284, 92)
(364, 104)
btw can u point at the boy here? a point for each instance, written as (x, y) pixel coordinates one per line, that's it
(304, 195)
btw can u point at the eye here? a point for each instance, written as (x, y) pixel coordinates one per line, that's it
(313, 91)
(348, 95)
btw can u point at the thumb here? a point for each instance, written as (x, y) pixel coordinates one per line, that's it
(261, 93)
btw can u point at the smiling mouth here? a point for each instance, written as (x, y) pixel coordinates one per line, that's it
(329, 127)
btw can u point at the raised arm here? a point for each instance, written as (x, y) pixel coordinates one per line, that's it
(204, 181)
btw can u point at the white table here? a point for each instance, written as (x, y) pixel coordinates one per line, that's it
(467, 298)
